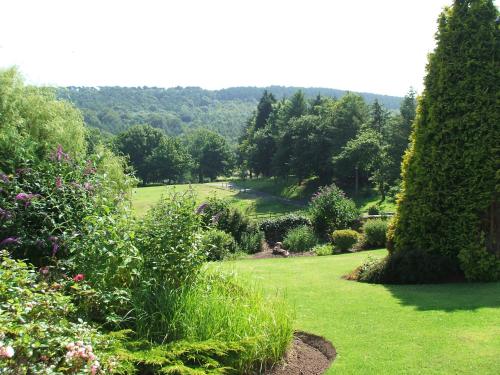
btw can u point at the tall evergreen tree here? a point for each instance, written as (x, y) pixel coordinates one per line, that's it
(264, 110)
(448, 214)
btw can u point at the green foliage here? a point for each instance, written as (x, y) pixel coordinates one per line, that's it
(169, 240)
(37, 322)
(105, 252)
(276, 229)
(154, 155)
(374, 209)
(344, 239)
(217, 244)
(300, 239)
(251, 240)
(375, 232)
(217, 213)
(330, 210)
(33, 123)
(43, 205)
(181, 357)
(222, 306)
(448, 207)
(322, 250)
(210, 153)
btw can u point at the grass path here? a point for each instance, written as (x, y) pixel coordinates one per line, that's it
(377, 329)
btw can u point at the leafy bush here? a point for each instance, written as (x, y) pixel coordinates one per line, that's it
(344, 239)
(106, 254)
(375, 232)
(330, 210)
(217, 244)
(251, 240)
(169, 240)
(38, 328)
(300, 239)
(217, 213)
(322, 250)
(276, 229)
(374, 209)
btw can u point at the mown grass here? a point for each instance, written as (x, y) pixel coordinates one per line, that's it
(377, 329)
(291, 189)
(253, 205)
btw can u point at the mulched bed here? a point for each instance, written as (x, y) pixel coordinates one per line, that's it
(267, 252)
(309, 355)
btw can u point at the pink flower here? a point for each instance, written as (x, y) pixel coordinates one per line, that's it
(79, 277)
(88, 186)
(26, 198)
(58, 182)
(7, 352)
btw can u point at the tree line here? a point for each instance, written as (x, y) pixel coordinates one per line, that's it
(179, 110)
(344, 140)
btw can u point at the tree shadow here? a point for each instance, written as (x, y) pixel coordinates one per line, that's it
(448, 297)
(267, 205)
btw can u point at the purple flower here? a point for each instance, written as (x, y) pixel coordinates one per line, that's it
(4, 178)
(10, 241)
(58, 182)
(26, 198)
(88, 186)
(59, 154)
(201, 208)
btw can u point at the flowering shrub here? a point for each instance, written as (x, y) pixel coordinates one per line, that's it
(104, 254)
(37, 325)
(42, 207)
(330, 210)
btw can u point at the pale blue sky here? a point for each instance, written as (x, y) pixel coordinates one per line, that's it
(363, 45)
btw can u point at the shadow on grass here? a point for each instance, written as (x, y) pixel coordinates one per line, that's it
(448, 297)
(268, 205)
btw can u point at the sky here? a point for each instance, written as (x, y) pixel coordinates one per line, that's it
(358, 45)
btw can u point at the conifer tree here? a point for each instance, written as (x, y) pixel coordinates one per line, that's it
(448, 214)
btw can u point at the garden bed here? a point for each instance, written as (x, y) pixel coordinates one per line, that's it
(309, 355)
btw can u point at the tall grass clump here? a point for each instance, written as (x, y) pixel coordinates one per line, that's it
(222, 307)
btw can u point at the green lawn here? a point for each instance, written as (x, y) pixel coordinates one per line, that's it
(377, 329)
(290, 189)
(255, 206)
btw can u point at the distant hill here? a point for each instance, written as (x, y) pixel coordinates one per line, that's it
(178, 109)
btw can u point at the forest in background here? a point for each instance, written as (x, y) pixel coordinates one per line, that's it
(180, 109)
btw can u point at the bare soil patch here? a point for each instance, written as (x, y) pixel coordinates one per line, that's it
(309, 355)
(267, 252)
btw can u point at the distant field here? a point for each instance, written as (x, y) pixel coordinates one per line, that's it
(253, 204)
